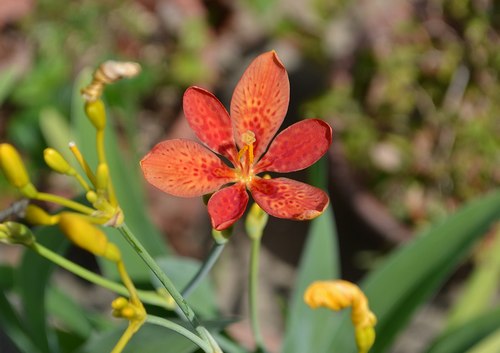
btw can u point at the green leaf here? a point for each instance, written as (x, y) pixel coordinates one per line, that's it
(8, 78)
(481, 285)
(6, 277)
(149, 339)
(462, 338)
(32, 278)
(180, 270)
(13, 327)
(71, 315)
(127, 183)
(416, 271)
(55, 130)
(488, 345)
(310, 330)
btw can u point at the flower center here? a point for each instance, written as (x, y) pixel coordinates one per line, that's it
(246, 156)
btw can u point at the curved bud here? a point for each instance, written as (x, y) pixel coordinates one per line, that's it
(96, 113)
(87, 236)
(339, 294)
(56, 162)
(16, 233)
(37, 216)
(15, 171)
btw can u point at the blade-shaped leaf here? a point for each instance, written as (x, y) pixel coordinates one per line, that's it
(32, 278)
(11, 324)
(462, 338)
(488, 345)
(311, 330)
(414, 272)
(72, 316)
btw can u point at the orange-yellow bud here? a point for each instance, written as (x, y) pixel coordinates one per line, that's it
(57, 162)
(37, 216)
(87, 236)
(339, 294)
(96, 113)
(15, 171)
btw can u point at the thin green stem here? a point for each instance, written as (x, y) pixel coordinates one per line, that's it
(204, 269)
(158, 272)
(42, 196)
(155, 320)
(253, 290)
(146, 296)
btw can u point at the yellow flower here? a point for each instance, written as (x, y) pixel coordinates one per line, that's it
(340, 294)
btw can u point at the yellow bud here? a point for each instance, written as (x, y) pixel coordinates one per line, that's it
(96, 113)
(102, 177)
(256, 221)
(85, 235)
(16, 233)
(365, 337)
(57, 162)
(37, 216)
(119, 303)
(15, 171)
(91, 196)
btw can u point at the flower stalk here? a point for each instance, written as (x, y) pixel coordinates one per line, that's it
(255, 223)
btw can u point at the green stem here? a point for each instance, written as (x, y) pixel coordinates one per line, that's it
(158, 272)
(253, 289)
(204, 269)
(145, 296)
(155, 320)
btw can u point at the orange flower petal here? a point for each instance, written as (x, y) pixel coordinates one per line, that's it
(185, 168)
(286, 198)
(210, 121)
(260, 101)
(226, 206)
(296, 147)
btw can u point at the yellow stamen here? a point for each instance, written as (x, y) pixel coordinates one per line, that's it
(248, 138)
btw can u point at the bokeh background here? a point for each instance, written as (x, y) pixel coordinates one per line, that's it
(410, 88)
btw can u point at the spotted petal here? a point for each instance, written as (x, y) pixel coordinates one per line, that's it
(226, 206)
(210, 121)
(185, 168)
(286, 198)
(260, 101)
(296, 147)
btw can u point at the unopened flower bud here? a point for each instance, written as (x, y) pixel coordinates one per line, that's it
(339, 294)
(96, 112)
(16, 233)
(87, 236)
(256, 221)
(15, 171)
(102, 177)
(37, 216)
(56, 162)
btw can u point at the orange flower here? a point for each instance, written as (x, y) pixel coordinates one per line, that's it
(185, 168)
